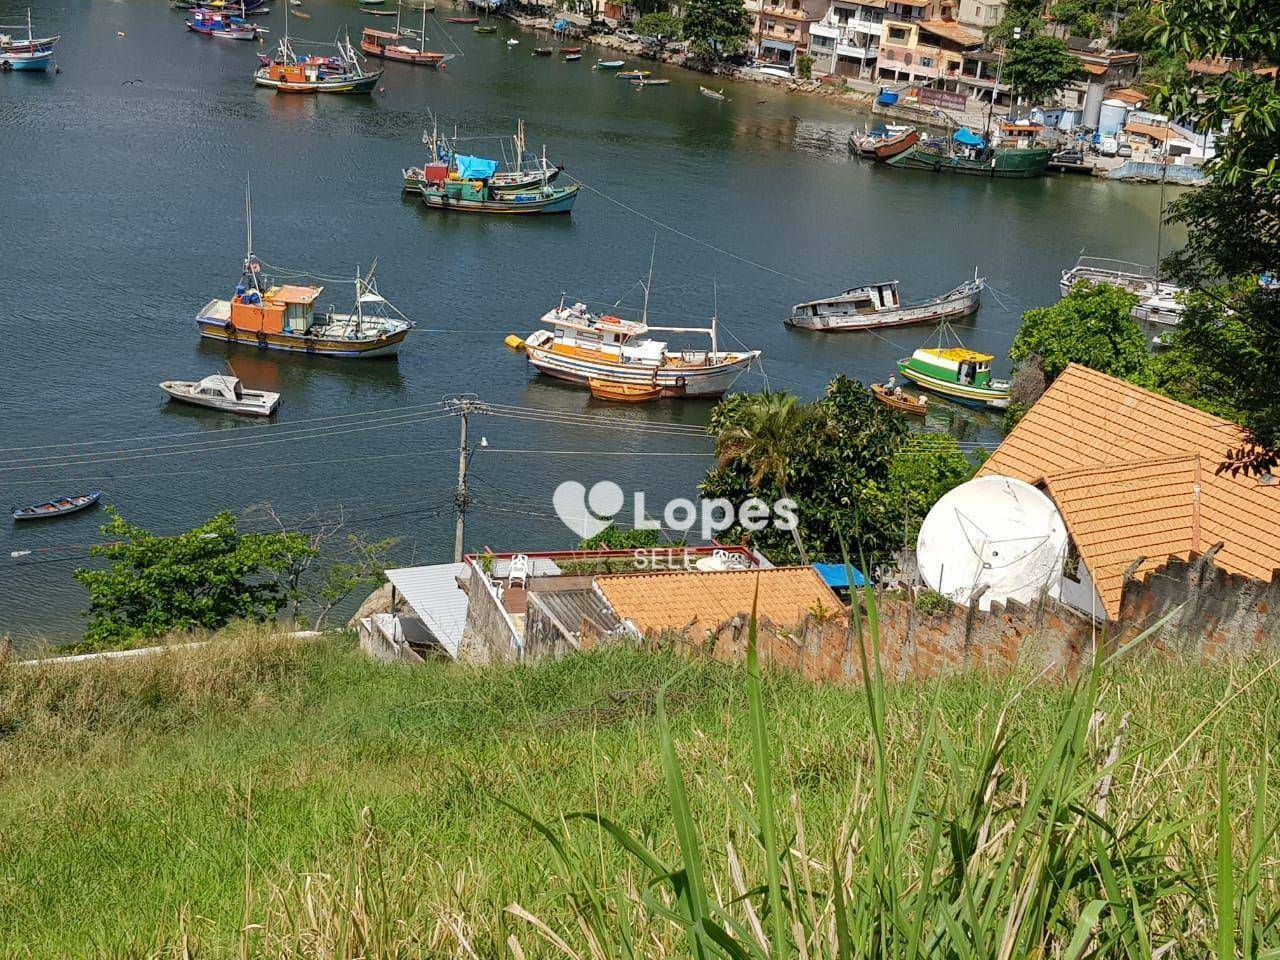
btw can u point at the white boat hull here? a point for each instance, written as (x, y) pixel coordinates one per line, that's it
(257, 403)
(676, 381)
(947, 307)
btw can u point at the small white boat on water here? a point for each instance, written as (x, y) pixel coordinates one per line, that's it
(1157, 301)
(221, 392)
(712, 94)
(879, 305)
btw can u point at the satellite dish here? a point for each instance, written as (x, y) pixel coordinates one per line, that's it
(993, 532)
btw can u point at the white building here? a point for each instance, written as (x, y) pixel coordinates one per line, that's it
(846, 41)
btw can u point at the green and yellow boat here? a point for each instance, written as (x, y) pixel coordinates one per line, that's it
(957, 373)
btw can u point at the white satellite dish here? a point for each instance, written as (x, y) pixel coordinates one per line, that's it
(993, 532)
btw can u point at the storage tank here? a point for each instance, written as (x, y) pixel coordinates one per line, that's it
(1092, 104)
(1111, 117)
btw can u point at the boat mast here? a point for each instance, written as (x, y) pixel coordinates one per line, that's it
(398, 5)
(646, 284)
(715, 311)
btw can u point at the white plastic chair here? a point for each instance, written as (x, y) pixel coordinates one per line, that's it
(519, 570)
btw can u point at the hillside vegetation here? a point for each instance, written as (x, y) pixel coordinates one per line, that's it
(266, 797)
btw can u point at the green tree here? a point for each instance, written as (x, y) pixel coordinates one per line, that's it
(664, 25)
(1137, 32)
(1230, 338)
(1078, 16)
(1038, 67)
(1091, 325)
(762, 436)
(201, 579)
(614, 537)
(842, 472)
(716, 28)
(804, 67)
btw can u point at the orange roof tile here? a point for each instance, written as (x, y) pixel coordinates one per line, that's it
(703, 601)
(1122, 464)
(1128, 95)
(1150, 130)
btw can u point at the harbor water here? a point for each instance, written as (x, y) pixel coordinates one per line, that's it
(122, 191)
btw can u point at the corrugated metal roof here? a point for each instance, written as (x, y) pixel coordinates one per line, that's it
(1123, 461)
(436, 598)
(572, 607)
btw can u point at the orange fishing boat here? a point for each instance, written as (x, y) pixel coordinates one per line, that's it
(624, 392)
(895, 399)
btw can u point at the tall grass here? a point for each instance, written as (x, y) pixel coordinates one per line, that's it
(265, 798)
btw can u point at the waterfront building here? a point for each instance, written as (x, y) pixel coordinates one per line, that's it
(846, 41)
(781, 28)
(922, 42)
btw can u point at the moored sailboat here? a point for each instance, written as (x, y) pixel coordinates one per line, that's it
(33, 53)
(391, 45)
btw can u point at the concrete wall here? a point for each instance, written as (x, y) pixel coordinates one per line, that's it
(489, 635)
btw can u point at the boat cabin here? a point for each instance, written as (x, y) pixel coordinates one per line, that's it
(956, 364)
(219, 386)
(282, 309)
(868, 299)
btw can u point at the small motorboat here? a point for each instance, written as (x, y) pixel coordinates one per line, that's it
(713, 94)
(487, 28)
(633, 74)
(381, 13)
(617, 392)
(570, 57)
(543, 51)
(371, 3)
(609, 64)
(461, 19)
(568, 50)
(300, 15)
(57, 508)
(513, 42)
(220, 392)
(645, 82)
(295, 3)
(895, 399)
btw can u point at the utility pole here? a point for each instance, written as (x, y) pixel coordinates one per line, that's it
(462, 405)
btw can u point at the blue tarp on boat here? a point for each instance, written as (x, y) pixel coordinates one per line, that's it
(837, 577)
(474, 168)
(560, 25)
(969, 138)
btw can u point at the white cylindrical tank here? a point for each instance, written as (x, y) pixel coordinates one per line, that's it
(1092, 104)
(1112, 116)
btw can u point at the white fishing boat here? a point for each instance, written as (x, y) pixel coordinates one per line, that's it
(1157, 300)
(582, 346)
(712, 94)
(221, 392)
(879, 305)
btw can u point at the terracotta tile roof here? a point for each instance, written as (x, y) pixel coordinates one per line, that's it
(1097, 69)
(1128, 95)
(1150, 130)
(703, 601)
(1123, 460)
(950, 30)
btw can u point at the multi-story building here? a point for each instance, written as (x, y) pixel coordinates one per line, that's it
(846, 42)
(922, 42)
(781, 27)
(981, 15)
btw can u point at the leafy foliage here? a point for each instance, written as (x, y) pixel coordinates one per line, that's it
(658, 24)
(1078, 17)
(1230, 339)
(614, 537)
(716, 28)
(804, 67)
(201, 579)
(848, 462)
(1038, 67)
(1092, 326)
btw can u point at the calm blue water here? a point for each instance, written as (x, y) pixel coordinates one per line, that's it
(123, 207)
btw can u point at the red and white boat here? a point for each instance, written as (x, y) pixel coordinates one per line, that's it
(403, 44)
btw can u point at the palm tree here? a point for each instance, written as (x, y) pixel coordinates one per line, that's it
(764, 435)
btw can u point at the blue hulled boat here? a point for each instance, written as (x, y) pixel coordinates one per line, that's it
(33, 53)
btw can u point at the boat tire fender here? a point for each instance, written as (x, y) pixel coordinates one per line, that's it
(262, 338)
(230, 328)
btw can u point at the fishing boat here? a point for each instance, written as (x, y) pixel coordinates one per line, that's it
(222, 25)
(712, 94)
(609, 64)
(894, 398)
(582, 346)
(1157, 300)
(957, 373)
(525, 171)
(1002, 162)
(371, 3)
(381, 13)
(487, 28)
(221, 392)
(282, 316)
(618, 392)
(633, 74)
(300, 14)
(286, 72)
(876, 305)
(391, 45)
(57, 508)
(33, 53)
(543, 51)
(461, 19)
(882, 149)
(646, 82)
(476, 196)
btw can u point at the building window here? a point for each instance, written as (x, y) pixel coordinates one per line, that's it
(897, 33)
(1071, 566)
(926, 61)
(768, 24)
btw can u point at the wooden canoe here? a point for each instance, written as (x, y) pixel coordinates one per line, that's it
(888, 147)
(903, 403)
(624, 392)
(570, 49)
(461, 19)
(57, 508)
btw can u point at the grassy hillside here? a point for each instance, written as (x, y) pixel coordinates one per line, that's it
(266, 797)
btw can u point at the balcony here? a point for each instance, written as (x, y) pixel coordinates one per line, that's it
(783, 13)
